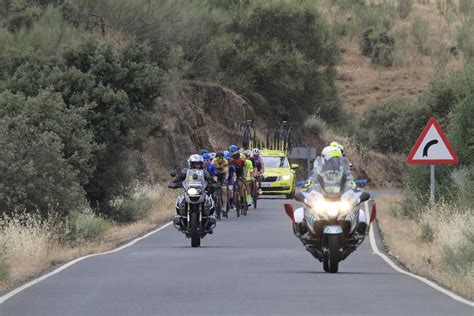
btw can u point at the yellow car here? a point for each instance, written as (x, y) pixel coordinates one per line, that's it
(279, 174)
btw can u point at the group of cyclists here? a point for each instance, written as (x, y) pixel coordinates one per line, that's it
(239, 173)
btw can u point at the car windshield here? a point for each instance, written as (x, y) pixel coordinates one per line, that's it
(275, 162)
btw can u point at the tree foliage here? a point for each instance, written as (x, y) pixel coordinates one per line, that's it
(284, 54)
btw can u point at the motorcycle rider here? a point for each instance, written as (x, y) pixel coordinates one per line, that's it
(331, 158)
(195, 162)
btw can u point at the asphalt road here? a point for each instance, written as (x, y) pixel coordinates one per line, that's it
(250, 266)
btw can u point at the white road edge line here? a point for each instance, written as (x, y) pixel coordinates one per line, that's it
(376, 250)
(9, 295)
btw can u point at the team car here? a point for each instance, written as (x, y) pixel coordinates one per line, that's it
(280, 176)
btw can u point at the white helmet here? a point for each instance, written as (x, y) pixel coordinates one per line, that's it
(255, 152)
(331, 152)
(213, 155)
(195, 159)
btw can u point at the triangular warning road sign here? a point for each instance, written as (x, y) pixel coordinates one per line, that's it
(432, 147)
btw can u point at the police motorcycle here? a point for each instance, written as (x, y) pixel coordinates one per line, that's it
(329, 224)
(194, 207)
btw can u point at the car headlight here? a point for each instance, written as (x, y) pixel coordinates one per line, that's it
(193, 191)
(286, 177)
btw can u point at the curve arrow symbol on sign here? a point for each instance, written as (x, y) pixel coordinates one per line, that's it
(428, 145)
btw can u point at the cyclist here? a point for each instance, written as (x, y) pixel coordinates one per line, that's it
(209, 166)
(259, 168)
(222, 167)
(248, 174)
(230, 183)
(238, 163)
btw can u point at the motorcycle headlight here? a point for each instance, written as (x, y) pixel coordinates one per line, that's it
(333, 209)
(286, 177)
(345, 207)
(193, 191)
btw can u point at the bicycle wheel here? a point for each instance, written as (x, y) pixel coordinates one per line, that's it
(245, 205)
(218, 204)
(237, 200)
(254, 192)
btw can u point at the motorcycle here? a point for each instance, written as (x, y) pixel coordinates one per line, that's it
(194, 207)
(329, 224)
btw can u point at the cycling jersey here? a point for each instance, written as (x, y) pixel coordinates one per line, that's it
(211, 168)
(248, 169)
(258, 163)
(239, 166)
(221, 165)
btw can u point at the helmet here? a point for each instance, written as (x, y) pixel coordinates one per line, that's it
(219, 154)
(236, 155)
(247, 153)
(194, 160)
(233, 148)
(255, 152)
(338, 146)
(331, 152)
(206, 157)
(203, 151)
(227, 155)
(213, 155)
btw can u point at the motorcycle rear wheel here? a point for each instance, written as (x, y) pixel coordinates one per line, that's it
(195, 238)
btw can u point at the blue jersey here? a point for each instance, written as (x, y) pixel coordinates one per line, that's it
(212, 169)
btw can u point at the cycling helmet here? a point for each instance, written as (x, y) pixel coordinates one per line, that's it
(233, 148)
(195, 161)
(213, 155)
(203, 151)
(219, 154)
(236, 155)
(255, 152)
(247, 153)
(331, 152)
(227, 155)
(206, 157)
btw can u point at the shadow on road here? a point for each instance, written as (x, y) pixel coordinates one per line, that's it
(335, 274)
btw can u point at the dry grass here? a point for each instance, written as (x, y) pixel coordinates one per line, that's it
(31, 245)
(364, 85)
(404, 240)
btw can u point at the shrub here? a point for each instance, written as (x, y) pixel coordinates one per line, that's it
(462, 129)
(404, 8)
(426, 233)
(316, 125)
(459, 258)
(419, 33)
(84, 225)
(394, 126)
(464, 39)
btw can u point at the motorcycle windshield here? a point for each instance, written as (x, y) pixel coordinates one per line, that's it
(330, 176)
(194, 178)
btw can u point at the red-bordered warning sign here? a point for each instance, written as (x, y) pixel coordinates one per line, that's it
(432, 147)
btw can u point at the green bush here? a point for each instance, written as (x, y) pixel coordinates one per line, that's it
(460, 260)
(462, 129)
(394, 126)
(132, 209)
(404, 8)
(45, 147)
(316, 125)
(427, 234)
(285, 53)
(464, 39)
(419, 33)
(84, 225)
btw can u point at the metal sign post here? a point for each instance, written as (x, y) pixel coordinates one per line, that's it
(433, 184)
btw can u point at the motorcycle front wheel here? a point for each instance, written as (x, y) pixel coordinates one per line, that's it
(334, 254)
(195, 238)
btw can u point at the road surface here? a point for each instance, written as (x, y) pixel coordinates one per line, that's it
(250, 266)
